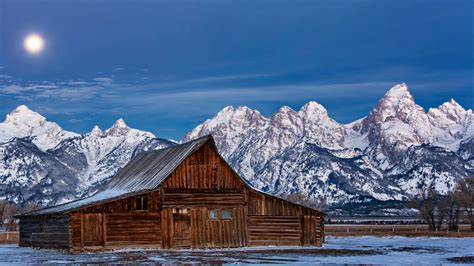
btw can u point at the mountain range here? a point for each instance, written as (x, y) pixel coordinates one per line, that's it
(386, 156)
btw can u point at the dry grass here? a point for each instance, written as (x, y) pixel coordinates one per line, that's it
(400, 230)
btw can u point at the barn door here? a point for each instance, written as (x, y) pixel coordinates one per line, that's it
(309, 230)
(181, 228)
(93, 234)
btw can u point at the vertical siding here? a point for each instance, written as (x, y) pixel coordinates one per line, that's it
(217, 233)
(204, 169)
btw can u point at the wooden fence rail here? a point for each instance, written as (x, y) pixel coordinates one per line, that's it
(340, 230)
(9, 237)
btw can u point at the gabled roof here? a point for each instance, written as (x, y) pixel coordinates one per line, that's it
(143, 173)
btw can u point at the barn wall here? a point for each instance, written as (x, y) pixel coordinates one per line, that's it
(45, 231)
(204, 169)
(185, 198)
(133, 229)
(273, 221)
(119, 222)
(218, 233)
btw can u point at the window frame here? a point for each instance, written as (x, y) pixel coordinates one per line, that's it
(216, 218)
(222, 214)
(219, 216)
(141, 203)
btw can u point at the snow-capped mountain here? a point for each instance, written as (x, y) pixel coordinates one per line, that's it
(24, 123)
(41, 162)
(387, 155)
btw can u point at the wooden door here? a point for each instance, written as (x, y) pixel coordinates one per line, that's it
(309, 230)
(93, 231)
(182, 230)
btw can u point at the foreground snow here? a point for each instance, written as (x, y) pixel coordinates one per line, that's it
(343, 250)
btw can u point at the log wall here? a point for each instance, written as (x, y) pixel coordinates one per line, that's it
(133, 229)
(274, 230)
(45, 231)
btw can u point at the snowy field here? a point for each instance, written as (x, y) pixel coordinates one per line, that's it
(337, 250)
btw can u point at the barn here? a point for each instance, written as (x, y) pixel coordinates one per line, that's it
(185, 196)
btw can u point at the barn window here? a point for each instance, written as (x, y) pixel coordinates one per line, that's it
(142, 203)
(41, 228)
(214, 214)
(226, 215)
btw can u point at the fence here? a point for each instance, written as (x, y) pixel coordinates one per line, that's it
(405, 229)
(9, 237)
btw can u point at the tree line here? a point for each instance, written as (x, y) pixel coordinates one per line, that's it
(8, 210)
(437, 209)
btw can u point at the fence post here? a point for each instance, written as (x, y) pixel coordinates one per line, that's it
(347, 229)
(416, 229)
(393, 229)
(7, 236)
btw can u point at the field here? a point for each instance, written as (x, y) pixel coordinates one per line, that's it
(339, 250)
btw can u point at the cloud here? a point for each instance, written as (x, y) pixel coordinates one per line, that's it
(104, 80)
(5, 77)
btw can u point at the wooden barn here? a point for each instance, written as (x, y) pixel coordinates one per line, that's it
(185, 196)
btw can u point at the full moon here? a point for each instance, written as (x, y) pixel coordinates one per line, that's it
(34, 43)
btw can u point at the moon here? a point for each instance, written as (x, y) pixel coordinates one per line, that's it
(34, 43)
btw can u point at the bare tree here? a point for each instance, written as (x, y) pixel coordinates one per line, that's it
(425, 203)
(9, 211)
(464, 196)
(318, 203)
(452, 210)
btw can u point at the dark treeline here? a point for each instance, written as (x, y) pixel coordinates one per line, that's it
(438, 209)
(8, 210)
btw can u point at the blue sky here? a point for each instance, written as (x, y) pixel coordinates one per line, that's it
(165, 66)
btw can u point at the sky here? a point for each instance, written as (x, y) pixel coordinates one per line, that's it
(166, 66)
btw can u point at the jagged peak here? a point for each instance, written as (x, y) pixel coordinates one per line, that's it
(22, 108)
(120, 123)
(285, 109)
(227, 109)
(313, 107)
(398, 93)
(452, 104)
(23, 114)
(397, 98)
(96, 131)
(398, 90)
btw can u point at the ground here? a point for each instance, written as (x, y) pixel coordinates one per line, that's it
(342, 250)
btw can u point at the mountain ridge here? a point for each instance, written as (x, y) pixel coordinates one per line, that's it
(387, 155)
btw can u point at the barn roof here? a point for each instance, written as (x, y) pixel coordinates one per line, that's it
(143, 173)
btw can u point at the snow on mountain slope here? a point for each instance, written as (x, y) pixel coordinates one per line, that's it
(24, 123)
(310, 152)
(387, 155)
(76, 165)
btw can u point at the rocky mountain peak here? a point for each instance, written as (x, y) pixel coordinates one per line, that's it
(24, 115)
(119, 128)
(313, 110)
(96, 131)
